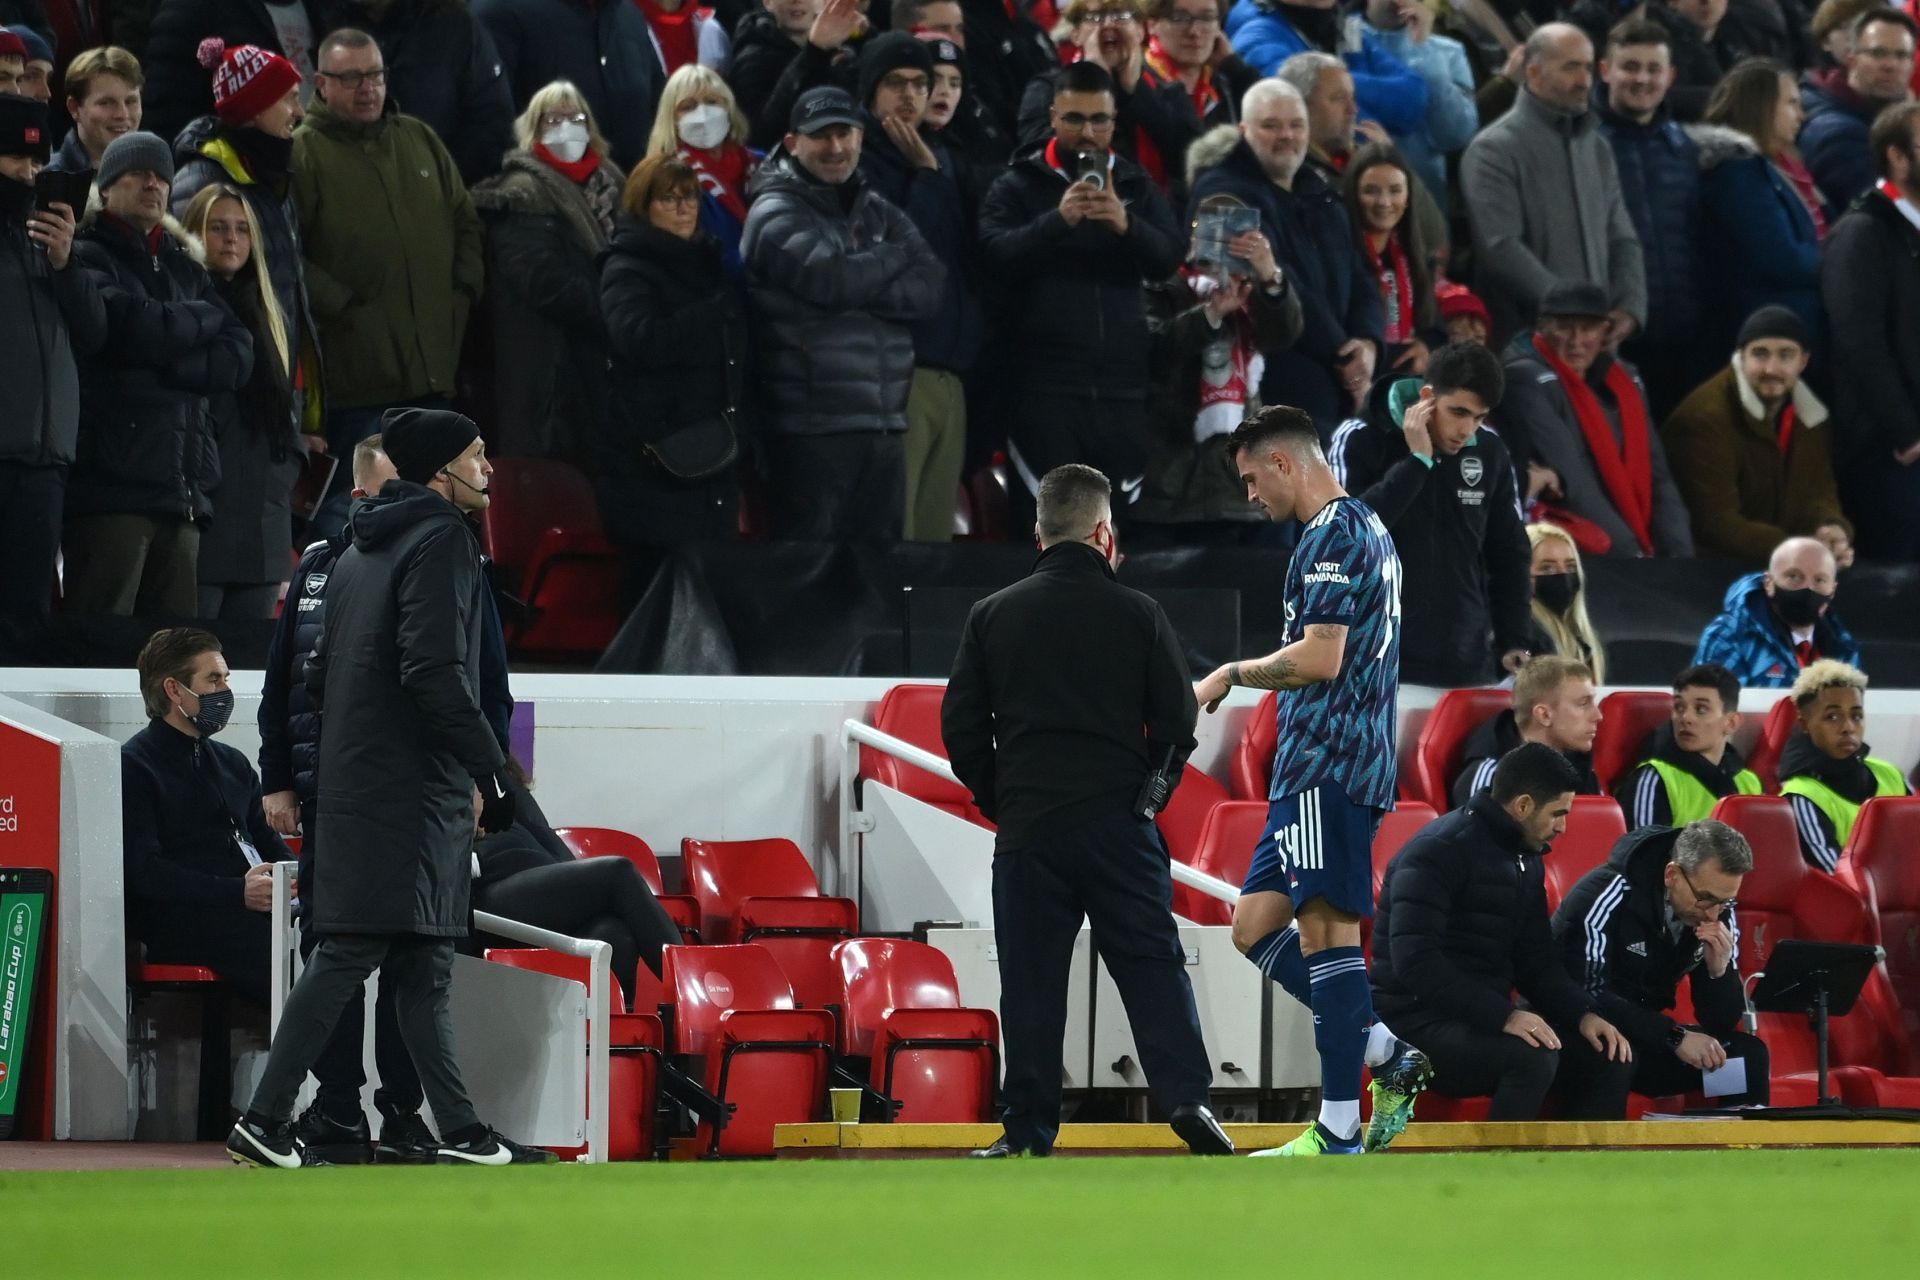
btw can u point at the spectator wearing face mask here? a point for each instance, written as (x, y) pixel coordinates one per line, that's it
(196, 840)
(1776, 624)
(1560, 622)
(548, 216)
(700, 124)
(1827, 771)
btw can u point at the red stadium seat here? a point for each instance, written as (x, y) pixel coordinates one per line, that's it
(1185, 816)
(1764, 759)
(1396, 828)
(606, 842)
(763, 1057)
(635, 1043)
(911, 713)
(1627, 719)
(1593, 828)
(807, 961)
(1438, 754)
(542, 527)
(1253, 758)
(937, 1060)
(1225, 851)
(213, 1114)
(1882, 865)
(748, 887)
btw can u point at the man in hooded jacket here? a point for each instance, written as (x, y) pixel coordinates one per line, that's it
(407, 762)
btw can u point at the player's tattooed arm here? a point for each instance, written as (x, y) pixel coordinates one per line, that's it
(1316, 656)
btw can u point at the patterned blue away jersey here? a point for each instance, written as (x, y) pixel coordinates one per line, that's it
(1342, 730)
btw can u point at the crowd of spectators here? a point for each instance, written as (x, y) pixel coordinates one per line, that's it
(804, 267)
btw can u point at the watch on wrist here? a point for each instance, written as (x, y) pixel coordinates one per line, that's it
(1676, 1035)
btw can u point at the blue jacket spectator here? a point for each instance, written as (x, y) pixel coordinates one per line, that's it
(1750, 639)
(1762, 247)
(1313, 240)
(1452, 115)
(1266, 34)
(1834, 139)
(1660, 180)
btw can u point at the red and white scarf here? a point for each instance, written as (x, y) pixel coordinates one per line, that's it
(1626, 464)
(723, 174)
(1227, 390)
(1396, 287)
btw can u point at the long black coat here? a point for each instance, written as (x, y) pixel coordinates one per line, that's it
(252, 529)
(442, 68)
(402, 736)
(1462, 921)
(677, 328)
(178, 88)
(146, 437)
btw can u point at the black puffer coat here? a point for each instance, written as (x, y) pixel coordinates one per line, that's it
(1462, 922)
(1076, 296)
(146, 438)
(289, 720)
(252, 528)
(936, 204)
(548, 380)
(403, 737)
(677, 327)
(833, 296)
(442, 68)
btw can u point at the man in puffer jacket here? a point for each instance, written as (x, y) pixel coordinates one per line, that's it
(836, 276)
(146, 457)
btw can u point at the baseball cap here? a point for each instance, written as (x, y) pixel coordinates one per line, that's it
(821, 107)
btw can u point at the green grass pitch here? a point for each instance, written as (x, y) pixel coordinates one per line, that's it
(1617, 1214)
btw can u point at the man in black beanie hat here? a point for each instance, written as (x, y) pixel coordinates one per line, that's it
(407, 765)
(1751, 451)
(47, 307)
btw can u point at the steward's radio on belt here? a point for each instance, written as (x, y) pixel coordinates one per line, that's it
(1156, 789)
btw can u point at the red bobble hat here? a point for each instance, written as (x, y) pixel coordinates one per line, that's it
(246, 79)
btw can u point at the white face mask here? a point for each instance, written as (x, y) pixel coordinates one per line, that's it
(568, 141)
(704, 127)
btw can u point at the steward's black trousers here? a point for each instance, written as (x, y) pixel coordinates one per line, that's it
(1113, 872)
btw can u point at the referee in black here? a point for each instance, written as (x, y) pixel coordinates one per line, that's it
(1069, 690)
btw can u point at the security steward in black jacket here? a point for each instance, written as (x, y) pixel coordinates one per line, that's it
(408, 767)
(196, 842)
(1662, 908)
(1069, 690)
(1444, 486)
(1462, 923)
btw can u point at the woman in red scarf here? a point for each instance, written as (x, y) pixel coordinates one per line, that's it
(699, 122)
(1378, 186)
(548, 215)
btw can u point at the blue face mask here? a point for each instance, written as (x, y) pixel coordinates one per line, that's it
(215, 710)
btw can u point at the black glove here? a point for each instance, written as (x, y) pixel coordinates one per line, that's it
(496, 804)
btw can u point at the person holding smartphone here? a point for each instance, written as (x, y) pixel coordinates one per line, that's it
(47, 309)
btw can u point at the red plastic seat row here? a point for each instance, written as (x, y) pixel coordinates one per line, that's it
(1882, 865)
(542, 528)
(911, 713)
(606, 842)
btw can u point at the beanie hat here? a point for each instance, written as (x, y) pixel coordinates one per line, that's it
(422, 441)
(131, 151)
(246, 79)
(1772, 322)
(38, 50)
(945, 52)
(23, 127)
(1458, 300)
(11, 45)
(888, 53)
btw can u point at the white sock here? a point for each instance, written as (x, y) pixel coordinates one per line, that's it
(1381, 1044)
(1341, 1119)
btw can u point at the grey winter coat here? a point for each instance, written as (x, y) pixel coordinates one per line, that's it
(833, 295)
(47, 317)
(402, 736)
(1543, 195)
(1539, 407)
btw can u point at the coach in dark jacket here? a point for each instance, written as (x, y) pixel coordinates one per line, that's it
(442, 68)
(1074, 293)
(1659, 911)
(1068, 689)
(405, 753)
(836, 276)
(178, 88)
(1312, 237)
(1453, 510)
(1462, 923)
(606, 50)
